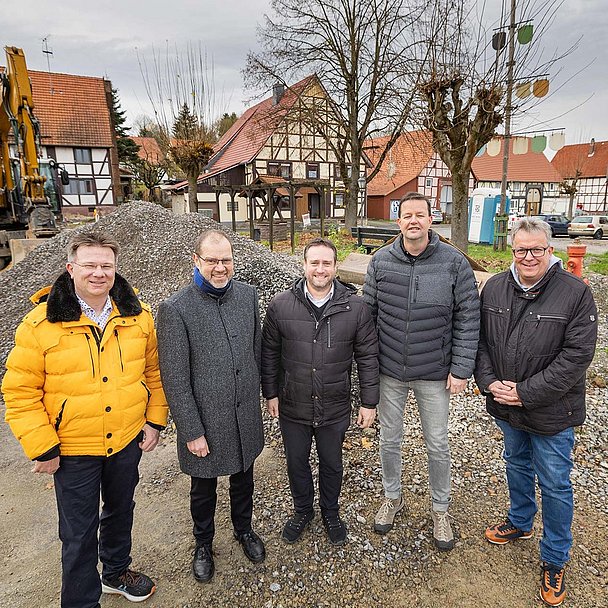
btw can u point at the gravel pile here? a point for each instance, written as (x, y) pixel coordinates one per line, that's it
(156, 258)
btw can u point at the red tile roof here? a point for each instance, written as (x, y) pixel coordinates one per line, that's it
(72, 110)
(529, 167)
(149, 149)
(243, 141)
(404, 162)
(576, 156)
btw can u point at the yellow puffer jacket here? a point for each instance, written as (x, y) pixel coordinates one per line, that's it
(69, 384)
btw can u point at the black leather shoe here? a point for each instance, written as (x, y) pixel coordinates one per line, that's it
(203, 567)
(253, 546)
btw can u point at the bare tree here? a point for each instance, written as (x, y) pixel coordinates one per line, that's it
(362, 53)
(465, 88)
(176, 80)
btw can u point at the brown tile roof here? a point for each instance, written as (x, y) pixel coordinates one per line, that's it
(576, 156)
(529, 167)
(404, 162)
(149, 149)
(243, 141)
(72, 110)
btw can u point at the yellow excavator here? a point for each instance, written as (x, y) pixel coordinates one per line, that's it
(25, 207)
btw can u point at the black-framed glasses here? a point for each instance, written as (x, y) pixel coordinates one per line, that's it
(215, 261)
(521, 252)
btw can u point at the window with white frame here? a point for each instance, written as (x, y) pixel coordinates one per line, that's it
(229, 205)
(82, 156)
(79, 186)
(429, 182)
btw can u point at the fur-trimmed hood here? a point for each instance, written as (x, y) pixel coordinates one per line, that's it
(62, 304)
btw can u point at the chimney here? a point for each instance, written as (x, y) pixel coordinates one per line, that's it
(278, 90)
(591, 147)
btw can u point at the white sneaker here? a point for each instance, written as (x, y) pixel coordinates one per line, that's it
(385, 517)
(442, 531)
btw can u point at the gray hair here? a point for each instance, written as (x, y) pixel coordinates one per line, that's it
(531, 224)
(91, 239)
(211, 235)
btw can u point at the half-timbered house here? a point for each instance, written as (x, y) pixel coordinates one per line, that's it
(77, 133)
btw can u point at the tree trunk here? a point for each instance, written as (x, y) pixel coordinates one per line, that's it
(350, 212)
(571, 206)
(192, 194)
(460, 209)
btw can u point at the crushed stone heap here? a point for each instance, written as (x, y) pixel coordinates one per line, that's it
(156, 258)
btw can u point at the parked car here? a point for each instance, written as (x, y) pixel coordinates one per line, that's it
(558, 223)
(588, 225)
(437, 216)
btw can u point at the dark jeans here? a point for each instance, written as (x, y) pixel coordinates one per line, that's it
(78, 482)
(203, 499)
(297, 439)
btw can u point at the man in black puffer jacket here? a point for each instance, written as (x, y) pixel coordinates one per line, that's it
(311, 333)
(423, 296)
(538, 333)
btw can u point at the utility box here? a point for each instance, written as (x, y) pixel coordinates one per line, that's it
(484, 204)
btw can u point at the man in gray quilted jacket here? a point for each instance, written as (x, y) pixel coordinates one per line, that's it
(424, 299)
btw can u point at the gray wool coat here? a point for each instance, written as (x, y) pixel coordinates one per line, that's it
(209, 351)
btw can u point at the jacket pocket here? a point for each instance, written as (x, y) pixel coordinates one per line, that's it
(59, 416)
(494, 323)
(147, 391)
(544, 334)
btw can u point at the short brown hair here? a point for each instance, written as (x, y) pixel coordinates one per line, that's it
(414, 196)
(212, 234)
(91, 238)
(323, 243)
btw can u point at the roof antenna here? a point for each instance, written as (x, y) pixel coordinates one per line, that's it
(48, 52)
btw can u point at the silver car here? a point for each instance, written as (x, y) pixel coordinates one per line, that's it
(588, 225)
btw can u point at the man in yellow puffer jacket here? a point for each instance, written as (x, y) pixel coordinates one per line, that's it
(84, 398)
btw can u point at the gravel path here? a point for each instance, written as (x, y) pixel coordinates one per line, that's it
(401, 569)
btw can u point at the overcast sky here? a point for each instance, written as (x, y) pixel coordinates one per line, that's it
(104, 38)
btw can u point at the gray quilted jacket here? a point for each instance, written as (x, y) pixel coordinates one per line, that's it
(426, 311)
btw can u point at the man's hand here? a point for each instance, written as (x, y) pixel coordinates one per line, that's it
(150, 441)
(272, 405)
(456, 385)
(198, 446)
(505, 392)
(366, 416)
(47, 466)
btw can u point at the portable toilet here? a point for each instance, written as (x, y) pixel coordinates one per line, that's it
(484, 204)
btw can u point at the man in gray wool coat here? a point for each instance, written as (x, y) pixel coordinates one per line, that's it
(209, 346)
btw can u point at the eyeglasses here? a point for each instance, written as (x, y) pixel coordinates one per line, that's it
(215, 261)
(107, 268)
(522, 252)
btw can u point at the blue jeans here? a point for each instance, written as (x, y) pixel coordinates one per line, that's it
(549, 459)
(433, 401)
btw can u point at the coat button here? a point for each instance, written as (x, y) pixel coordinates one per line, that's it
(109, 436)
(102, 349)
(314, 341)
(105, 378)
(110, 450)
(108, 409)
(238, 371)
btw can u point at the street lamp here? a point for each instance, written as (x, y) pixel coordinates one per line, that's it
(362, 182)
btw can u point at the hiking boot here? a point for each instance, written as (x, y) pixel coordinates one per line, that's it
(335, 528)
(552, 585)
(134, 586)
(505, 532)
(295, 526)
(385, 517)
(442, 531)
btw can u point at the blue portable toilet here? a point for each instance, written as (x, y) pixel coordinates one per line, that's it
(484, 204)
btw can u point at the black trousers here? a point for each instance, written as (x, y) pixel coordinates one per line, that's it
(203, 500)
(78, 483)
(297, 439)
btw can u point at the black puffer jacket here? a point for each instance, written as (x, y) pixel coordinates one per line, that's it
(307, 364)
(544, 341)
(426, 310)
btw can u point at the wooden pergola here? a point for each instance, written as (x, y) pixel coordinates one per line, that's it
(265, 197)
